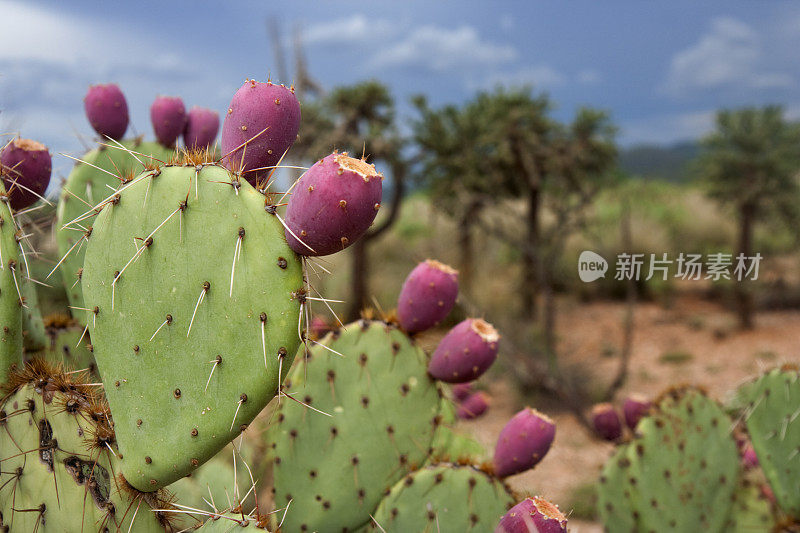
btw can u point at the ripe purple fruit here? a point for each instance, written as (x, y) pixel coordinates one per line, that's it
(107, 110)
(332, 205)
(473, 406)
(606, 421)
(533, 515)
(26, 167)
(260, 126)
(466, 352)
(168, 116)
(201, 128)
(427, 296)
(523, 442)
(461, 391)
(634, 408)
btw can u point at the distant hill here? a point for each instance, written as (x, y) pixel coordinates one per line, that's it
(649, 161)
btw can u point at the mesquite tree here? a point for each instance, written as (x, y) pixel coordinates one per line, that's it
(750, 163)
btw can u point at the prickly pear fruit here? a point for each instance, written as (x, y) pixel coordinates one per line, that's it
(427, 296)
(168, 116)
(466, 352)
(332, 205)
(533, 515)
(473, 406)
(523, 442)
(749, 458)
(260, 126)
(26, 167)
(606, 421)
(107, 110)
(201, 128)
(461, 391)
(634, 407)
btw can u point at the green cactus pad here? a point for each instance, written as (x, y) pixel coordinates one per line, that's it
(772, 417)
(444, 499)
(451, 446)
(86, 186)
(70, 347)
(10, 294)
(58, 473)
(751, 511)
(230, 522)
(384, 411)
(33, 334)
(678, 474)
(174, 241)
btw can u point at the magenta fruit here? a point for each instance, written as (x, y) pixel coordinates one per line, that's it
(107, 110)
(523, 442)
(466, 352)
(168, 116)
(634, 408)
(261, 125)
(427, 296)
(473, 406)
(332, 205)
(201, 128)
(533, 515)
(461, 391)
(26, 168)
(606, 421)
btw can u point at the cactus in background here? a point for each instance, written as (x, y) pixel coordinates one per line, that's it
(606, 421)
(193, 300)
(259, 128)
(533, 515)
(428, 294)
(678, 474)
(168, 115)
(26, 166)
(59, 460)
(107, 110)
(770, 405)
(34, 337)
(68, 345)
(201, 128)
(444, 498)
(333, 204)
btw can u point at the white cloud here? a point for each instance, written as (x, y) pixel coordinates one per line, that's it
(356, 28)
(728, 55)
(441, 49)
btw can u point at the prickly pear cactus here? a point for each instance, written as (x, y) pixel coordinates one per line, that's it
(70, 347)
(33, 334)
(194, 302)
(381, 411)
(444, 498)
(87, 185)
(58, 468)
(771, 406)
(10, 296)
(678, 474)
(751, 510)
(232, 522)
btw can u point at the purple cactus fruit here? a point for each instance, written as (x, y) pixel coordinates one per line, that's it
(523, 442)
(107, 110)
(461, 391)
(266, 117)
(634, 408)
(606, 421)
(319, 327)
(466, 352)
(473, 406)
(749, 458)
(201, 128)
(26, 167)
(168, 116)
(533, 515)
(427, 296)
(332, 205)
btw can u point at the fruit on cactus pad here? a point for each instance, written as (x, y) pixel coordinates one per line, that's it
(523, 442)
(427, 296)
(26, 168)
(107, 110)
(461, 391)
(332, 205)
(168, 116)
(533, 515)
(466, 352)
(606, 421)
(634, 408)
(201, 128)
(473, 406)
(260, 126)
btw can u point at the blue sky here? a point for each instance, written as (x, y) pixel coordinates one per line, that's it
(660, 68)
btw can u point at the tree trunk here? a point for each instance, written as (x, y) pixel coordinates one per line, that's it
(744, 299)
(530, 251)
(359, 269)
(465, 246)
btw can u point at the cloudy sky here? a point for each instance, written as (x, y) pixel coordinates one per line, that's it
(660, 68)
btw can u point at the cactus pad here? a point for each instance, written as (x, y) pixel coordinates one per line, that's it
(384, 410)
(10, 287)
(195, 300)
(772, 407)
(444, 498)
(678, 474)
